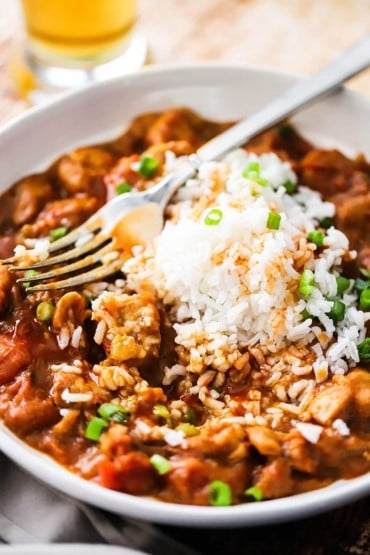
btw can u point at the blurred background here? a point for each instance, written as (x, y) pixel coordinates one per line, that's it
(290, 35)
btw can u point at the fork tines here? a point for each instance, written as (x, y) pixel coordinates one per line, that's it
(91, 258)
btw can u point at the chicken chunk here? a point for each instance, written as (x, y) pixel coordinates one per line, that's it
(274, 479)
(327, 171)
(331, 403)
(133, 326)
(266, 441)
(220, 440)
(69, 212)
(301, 454)
(24, 407)
(174, 125)
(353, 216)
(31, 195)
(76, 170)
(359, 382)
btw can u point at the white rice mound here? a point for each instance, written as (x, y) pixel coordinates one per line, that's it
(235, 285)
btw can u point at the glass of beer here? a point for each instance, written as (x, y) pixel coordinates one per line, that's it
(73, 42)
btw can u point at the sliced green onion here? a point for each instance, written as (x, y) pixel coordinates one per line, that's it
(188, 430)
(28, 274)
(254, 492)
(337, 311)
(285, 130)
(306, 283)
(58, 233)
(161, 464)
(111, 411)
(305, 314)
(343, 284)
(252, 171)
(95, 428)
(252, 168)
(191, 415)
(361, 284)
(44, 311)
(123, 187)
(365, 272)
(273, 220)
(326, 223)
(364, 349)
(261, 181)
(365, 299)
(289, 186)
(161, 411)
(147, 166)
(220, 494)
(213, 217)
(317, 237)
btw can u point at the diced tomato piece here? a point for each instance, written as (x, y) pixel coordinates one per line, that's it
(132, 473)
(14, 355)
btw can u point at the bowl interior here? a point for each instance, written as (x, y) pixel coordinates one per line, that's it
(220, 92)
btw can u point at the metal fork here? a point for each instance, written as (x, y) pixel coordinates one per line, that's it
(93, 251)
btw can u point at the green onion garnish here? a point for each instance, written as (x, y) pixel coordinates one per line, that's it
(365, 299)
(58, 233)
(343, 284)
(161, 464)
(161, 411)
(252, 171)
(213, 217)
(364, 349)
(285, 130)
(191, 415)
(305, 314)
(28, 274)
(252, 168)
(326, 223)
(254, 492)
(289, 186)
(337, 311)
(317, 237)
(123, 187)
(306, 283)
(365, 272)
(273, 220)
(261, 181)
(147, 166)
(188, 430)
(220, 494)
(95, 428)
(360, 284)
(44, 311)
(110, 411)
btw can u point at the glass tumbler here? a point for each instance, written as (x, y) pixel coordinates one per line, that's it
(72, 42)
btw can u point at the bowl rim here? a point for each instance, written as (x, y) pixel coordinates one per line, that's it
(59, 478)
(163, 70)
(149, 509)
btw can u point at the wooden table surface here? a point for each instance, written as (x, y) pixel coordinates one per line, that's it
(292, 35)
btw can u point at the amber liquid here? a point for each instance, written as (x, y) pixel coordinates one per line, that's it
(78, 30)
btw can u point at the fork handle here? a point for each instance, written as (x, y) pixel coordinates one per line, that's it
(330, 77)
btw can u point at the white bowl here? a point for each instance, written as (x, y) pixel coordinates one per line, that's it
(100, 112)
